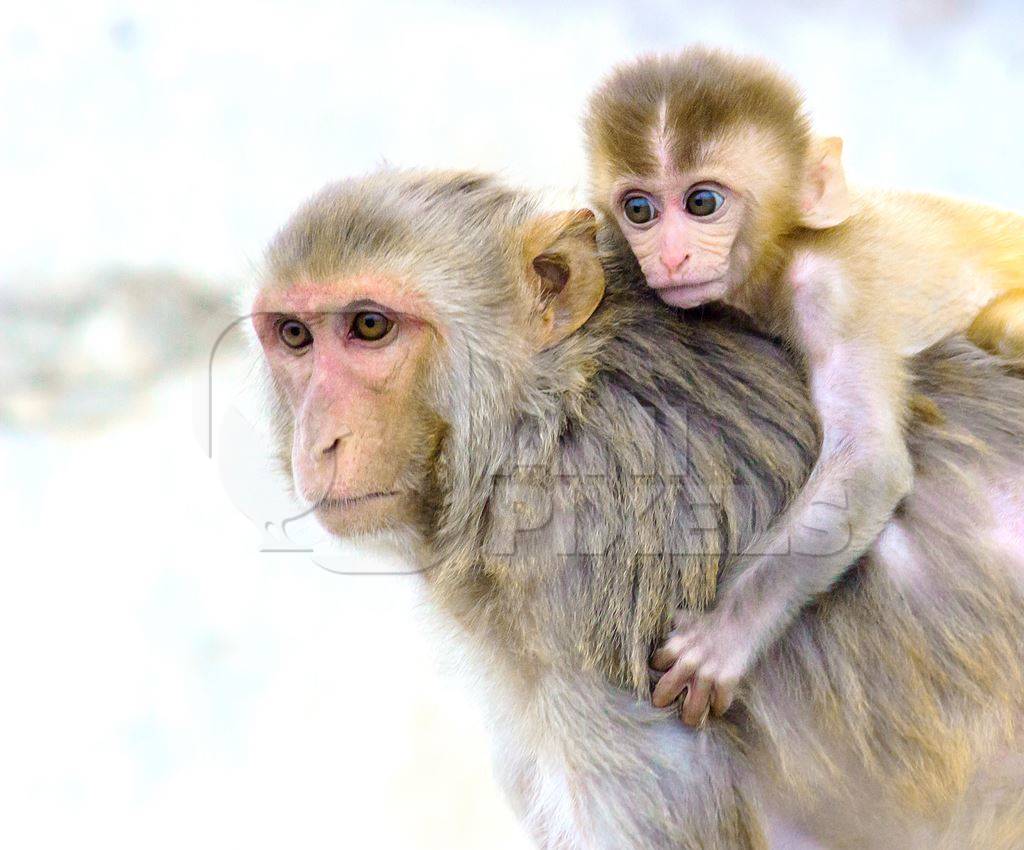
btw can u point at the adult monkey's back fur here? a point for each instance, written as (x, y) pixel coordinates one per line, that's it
(649, 448)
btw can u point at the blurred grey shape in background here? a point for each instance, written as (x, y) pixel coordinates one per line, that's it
(82, 355)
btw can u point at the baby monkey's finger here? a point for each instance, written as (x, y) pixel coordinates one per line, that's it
(671, 685)
(666, 654)
(722, 698)
(697, 702)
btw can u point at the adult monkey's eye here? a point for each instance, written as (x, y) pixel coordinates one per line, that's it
(294, 334)
(702, 202)
(371, 327)
(639, 209)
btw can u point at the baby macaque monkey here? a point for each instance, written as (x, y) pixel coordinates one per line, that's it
(707, 163)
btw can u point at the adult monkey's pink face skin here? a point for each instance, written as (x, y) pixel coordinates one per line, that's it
(347, 357)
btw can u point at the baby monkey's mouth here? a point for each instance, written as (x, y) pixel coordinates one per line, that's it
(682, 282)
(691, 294)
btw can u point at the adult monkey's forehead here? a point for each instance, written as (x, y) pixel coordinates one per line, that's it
(402, 220)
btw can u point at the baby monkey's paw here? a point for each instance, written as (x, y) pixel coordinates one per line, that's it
(706, 656)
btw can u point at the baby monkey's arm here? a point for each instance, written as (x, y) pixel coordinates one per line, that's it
(863, 472)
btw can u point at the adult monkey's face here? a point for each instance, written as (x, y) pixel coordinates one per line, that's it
(365, 330)
(350, 358)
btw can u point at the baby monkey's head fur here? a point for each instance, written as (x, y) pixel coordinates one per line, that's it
(706, 161)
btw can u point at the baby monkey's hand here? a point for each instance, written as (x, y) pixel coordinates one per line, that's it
(707, 655)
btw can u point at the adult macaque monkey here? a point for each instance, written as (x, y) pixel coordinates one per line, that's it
(566, 482)
(707, 164)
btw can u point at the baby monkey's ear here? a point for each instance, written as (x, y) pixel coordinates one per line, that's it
(564, 272)
(825, 200)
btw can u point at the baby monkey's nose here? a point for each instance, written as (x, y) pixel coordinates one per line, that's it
(674, 262)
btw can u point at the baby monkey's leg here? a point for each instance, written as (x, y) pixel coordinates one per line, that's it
(999, 327)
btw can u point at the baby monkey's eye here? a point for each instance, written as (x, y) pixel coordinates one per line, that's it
(371, 327)
(702, 202)
(639, 209)
(294, 334)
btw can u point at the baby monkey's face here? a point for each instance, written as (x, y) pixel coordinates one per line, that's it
(682, 229)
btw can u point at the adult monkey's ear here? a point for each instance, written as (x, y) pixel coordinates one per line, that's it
(564, 271)
(825, 200)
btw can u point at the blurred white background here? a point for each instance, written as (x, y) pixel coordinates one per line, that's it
(165, 682)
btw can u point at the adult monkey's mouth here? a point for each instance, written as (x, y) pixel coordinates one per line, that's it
(341, 502)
